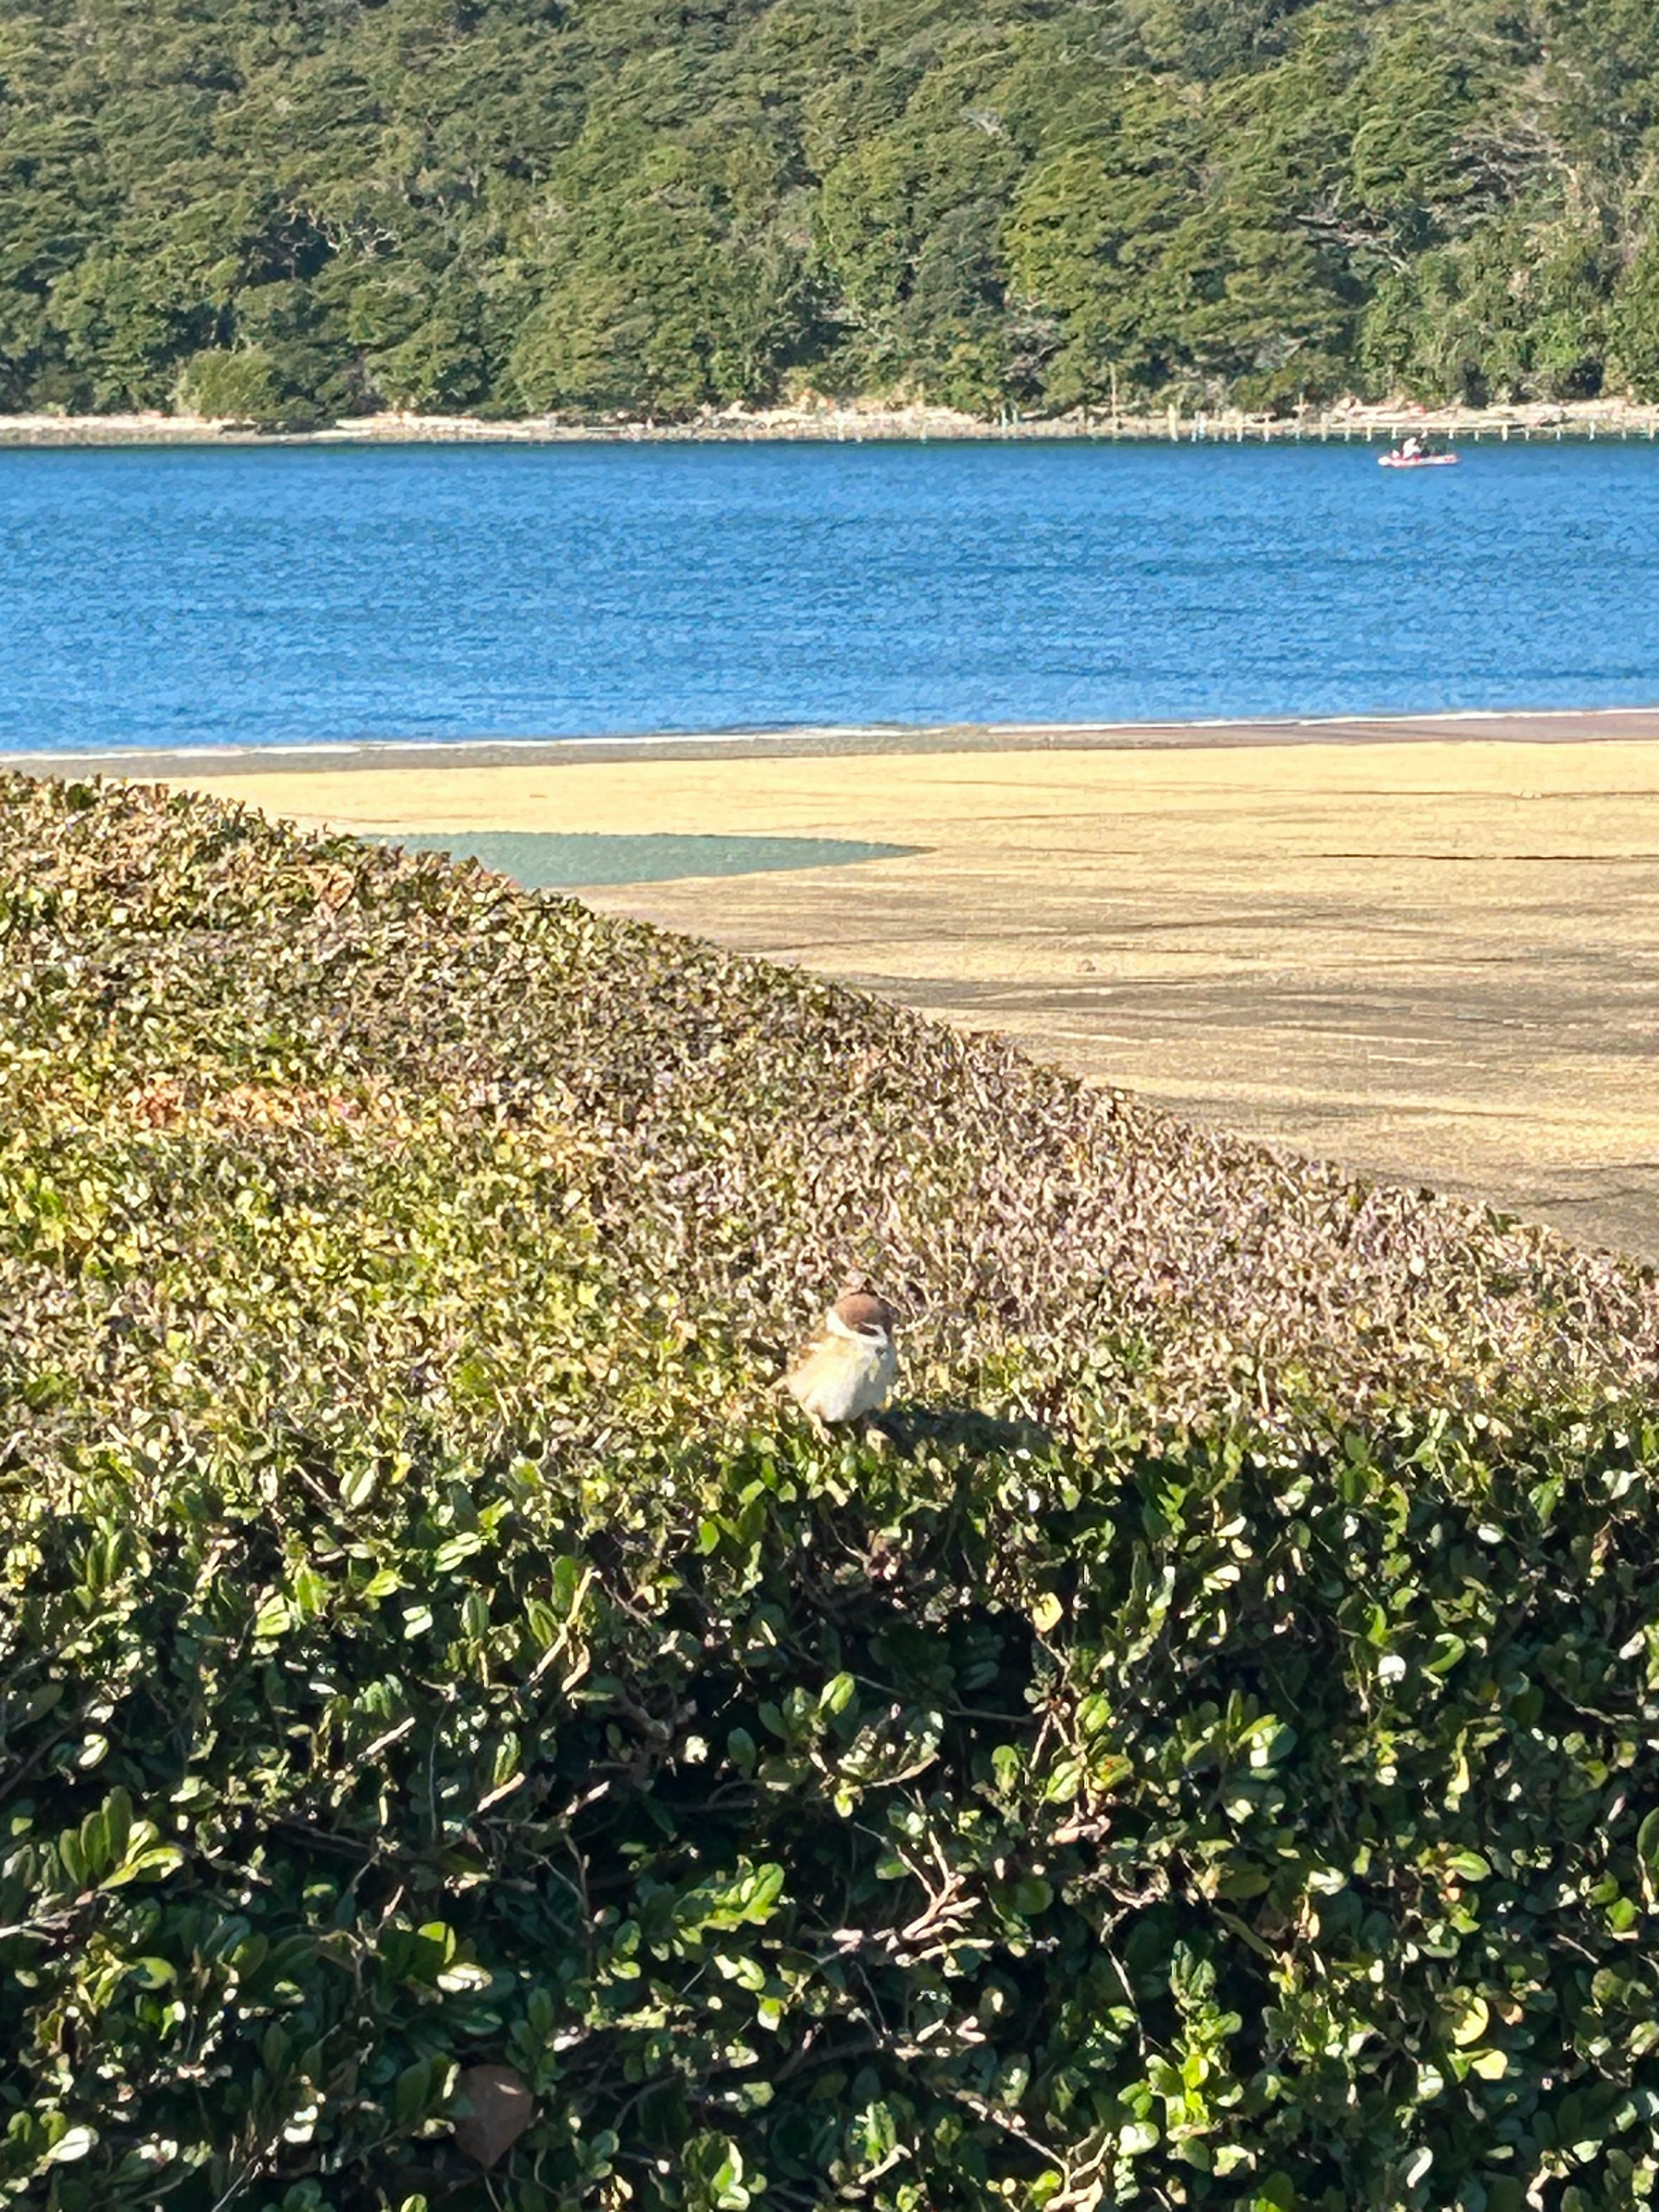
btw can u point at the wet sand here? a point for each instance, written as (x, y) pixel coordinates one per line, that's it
(1428, 948)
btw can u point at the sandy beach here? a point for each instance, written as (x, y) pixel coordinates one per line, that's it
(1427, 948)
(855, 421)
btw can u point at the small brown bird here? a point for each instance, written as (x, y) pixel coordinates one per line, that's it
(849, 1368)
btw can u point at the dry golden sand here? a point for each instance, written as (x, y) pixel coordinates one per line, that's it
(1437, 960)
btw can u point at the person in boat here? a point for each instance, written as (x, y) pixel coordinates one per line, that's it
(1412, 448)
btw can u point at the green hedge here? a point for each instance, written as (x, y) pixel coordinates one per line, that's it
(1170, 1771)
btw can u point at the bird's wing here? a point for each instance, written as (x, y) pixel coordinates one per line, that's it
(804, 1356)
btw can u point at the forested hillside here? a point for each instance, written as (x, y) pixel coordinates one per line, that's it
(284, 208)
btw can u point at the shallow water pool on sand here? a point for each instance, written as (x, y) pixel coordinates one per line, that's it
(552, 859)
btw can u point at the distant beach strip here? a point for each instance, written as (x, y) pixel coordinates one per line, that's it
(1423, 947)
(1475, 726)
(854, 422)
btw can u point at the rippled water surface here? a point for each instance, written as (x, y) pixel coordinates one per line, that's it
(271, 596)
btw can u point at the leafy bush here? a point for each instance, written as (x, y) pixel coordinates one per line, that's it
(239, 387)
(1207, 1757)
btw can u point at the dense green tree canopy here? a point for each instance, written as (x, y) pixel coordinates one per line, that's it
(331, 205)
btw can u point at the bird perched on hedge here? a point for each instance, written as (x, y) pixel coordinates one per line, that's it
(849, 1368)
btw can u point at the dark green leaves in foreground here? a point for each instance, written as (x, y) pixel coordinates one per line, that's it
(431, 1657)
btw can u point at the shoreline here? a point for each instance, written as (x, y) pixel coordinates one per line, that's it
(1348, 422)
(1540, 725)
(1422, 950)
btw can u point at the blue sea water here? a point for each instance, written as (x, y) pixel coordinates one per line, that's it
(280, 595)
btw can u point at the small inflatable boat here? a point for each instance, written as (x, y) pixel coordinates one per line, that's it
(1399, 460)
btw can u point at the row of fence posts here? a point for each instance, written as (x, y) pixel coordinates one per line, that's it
(1200, 429)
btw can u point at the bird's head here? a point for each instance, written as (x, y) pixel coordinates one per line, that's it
(861, 1313)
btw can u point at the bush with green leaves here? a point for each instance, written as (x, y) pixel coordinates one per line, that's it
(232, 387)
(1205, 1755)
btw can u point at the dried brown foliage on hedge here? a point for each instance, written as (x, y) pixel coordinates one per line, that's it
(1207, 1762)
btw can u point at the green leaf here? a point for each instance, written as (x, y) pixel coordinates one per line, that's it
(310, 1594)
(154, 1863)
(838, 1694)
(118, 1823)
(357, 1486)
(410, 2091)
(1470, 1866)
(74, 2144)
(1278, 2193)
(273, 1620)
(1468, 2018)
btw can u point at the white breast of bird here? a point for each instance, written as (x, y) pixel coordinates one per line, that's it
(841, 1382)
(850, 1368)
